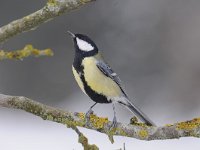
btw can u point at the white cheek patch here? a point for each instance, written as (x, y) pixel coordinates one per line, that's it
(84, 46)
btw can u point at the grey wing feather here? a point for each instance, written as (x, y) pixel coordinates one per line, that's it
(106, 69)
(103, 67)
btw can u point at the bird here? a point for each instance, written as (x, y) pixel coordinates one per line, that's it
(97, 79)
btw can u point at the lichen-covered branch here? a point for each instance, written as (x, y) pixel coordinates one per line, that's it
(28, 50)
(137, 130)
(52, 9)
(83, 140)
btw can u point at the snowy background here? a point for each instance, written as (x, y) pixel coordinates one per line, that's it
(154, 46)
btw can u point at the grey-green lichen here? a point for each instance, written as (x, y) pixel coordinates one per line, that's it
(84, 141)
(134, 121)
(115, 130)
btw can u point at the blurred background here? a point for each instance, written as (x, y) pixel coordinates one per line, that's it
(153, 45)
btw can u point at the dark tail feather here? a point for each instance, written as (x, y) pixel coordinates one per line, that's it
(134, 109)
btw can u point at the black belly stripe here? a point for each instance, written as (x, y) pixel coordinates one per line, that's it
(99, 98)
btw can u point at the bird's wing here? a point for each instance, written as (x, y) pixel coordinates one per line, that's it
(106, 69)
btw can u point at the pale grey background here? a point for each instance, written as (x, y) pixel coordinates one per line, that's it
(152, 44)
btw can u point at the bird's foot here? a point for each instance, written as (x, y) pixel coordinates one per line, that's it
(114, 123)
(87, 117)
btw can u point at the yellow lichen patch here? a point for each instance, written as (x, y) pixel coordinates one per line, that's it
(143, 134)
(98, 122)
(25, 52)
(52, 2)
(46, 52)
(35, 52)
(169, 125)
(188, 125)
(81, 116)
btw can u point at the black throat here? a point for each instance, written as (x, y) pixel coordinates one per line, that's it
(77, 64)
(80, 55)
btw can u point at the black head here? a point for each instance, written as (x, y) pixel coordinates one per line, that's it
(84, 45)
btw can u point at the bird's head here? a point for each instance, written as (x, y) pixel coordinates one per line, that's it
(83, 44)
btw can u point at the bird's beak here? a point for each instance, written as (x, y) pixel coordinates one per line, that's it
(72, 34)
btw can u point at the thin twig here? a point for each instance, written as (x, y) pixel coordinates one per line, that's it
(27, 51)
(83, 140)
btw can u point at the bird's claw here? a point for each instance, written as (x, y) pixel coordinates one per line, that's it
(87, 117)
(114, 123)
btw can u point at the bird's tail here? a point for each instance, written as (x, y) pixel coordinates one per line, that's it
(134, 109)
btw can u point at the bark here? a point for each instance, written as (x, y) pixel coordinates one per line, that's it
(51, 10)
(73, 119)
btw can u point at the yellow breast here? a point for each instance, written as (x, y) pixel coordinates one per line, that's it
(98, 81)
(78, 79)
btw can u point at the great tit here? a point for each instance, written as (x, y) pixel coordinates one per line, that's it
(97, 80)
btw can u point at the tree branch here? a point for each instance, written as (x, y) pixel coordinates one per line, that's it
(52, 9)
(83, 140)
(28, 50)
(139, 131)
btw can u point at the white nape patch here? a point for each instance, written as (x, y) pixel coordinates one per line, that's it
(84, 46)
